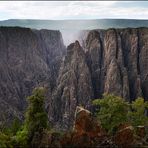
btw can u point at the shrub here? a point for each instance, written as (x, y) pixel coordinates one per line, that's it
(21, 138)
(5, 141)
(112, 111)
(12, 130)
(16, 125)
(137, 114)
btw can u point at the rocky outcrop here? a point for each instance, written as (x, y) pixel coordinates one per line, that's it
(28, 58)
(73, 85)
(143, 60)
(128, 136)
(87, 132)
(124, 137)
(120, 57)
(113, 83)
(110, 61)
(85, 123)
(94, 52)
(141, 131)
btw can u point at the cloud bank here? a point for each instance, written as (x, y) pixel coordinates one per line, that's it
(60, 10)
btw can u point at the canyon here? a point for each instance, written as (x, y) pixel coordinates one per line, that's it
(99, 61)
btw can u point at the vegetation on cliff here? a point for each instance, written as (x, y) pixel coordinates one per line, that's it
(113, 111)
(34, 124)
(117, 124)
(35, 121)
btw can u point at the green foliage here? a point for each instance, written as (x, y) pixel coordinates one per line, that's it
(25, 135)
(5, 141)
(36, 118)
(137, 114)
(12, 130)
(113, 111)
(16, 125)
(21, 138)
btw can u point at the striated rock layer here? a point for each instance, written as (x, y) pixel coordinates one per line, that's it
(73, 85)
(110, 61)
(28, 58)
(123, 58)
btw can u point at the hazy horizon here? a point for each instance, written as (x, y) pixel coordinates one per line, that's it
(71, 29)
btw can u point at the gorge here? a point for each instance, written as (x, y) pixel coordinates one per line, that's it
(105, 61)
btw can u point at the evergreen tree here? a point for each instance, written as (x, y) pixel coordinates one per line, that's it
(36, 118)
(112, 111)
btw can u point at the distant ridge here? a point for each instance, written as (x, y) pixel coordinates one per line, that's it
(75, 24)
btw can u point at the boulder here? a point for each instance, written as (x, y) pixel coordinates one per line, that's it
(86, 124)
(140, 131)
(87, 131)
(124, 136)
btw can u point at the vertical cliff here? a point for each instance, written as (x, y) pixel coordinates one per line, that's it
(122, 54)
(143, 61)
(74, 86)
(111, 61)
(27, 59)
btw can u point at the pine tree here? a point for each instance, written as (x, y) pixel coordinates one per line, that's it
(35, 120)
(36, 117)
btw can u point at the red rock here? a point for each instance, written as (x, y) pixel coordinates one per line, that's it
(86, 124)
(87, 132)
(82, 140)
(122, 126)
(140, 131)
(125, 136)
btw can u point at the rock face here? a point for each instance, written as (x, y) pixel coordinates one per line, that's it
(28, 58)
(73, 85)
(143, 61)
(128, 136)
(94, 59)
(85, 123)
(109, 61)
(87, 132)
(125, 137)
(120, 60)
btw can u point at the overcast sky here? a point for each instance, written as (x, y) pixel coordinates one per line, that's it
(59, 10)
